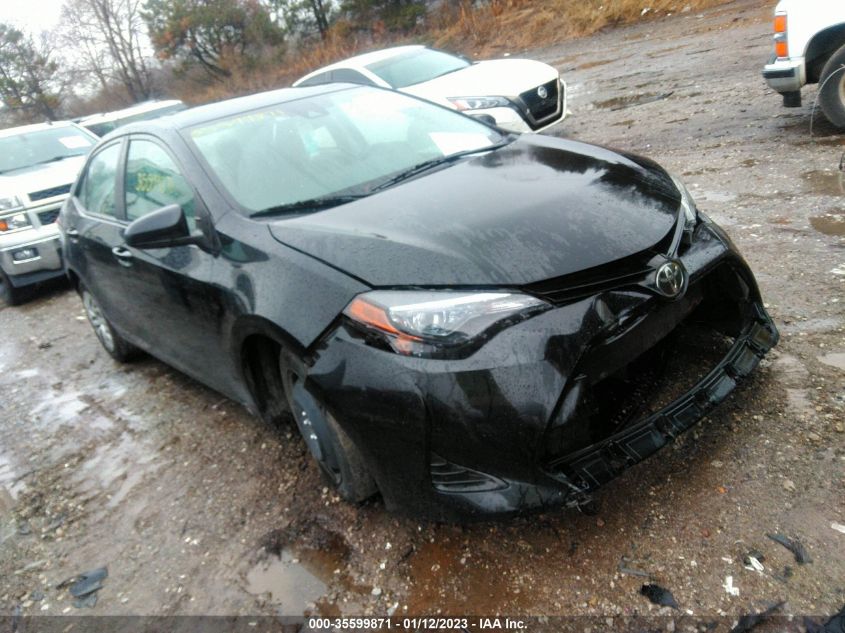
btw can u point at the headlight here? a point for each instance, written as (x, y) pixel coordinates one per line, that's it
(479, 103)
(7, 203)
(420, 323)
(14, 222)
(687, 206)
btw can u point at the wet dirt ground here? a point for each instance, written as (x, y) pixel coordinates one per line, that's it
(198, 508)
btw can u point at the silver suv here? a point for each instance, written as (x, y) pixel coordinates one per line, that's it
(38, 164)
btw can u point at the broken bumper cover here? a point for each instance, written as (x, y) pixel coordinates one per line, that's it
(454, 439)
(596, 465)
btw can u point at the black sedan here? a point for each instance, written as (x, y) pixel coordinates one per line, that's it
(465, 321)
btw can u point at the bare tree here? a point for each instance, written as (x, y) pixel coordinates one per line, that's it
(109, 38)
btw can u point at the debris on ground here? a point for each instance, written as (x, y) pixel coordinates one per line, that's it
(838, 527)
(836, 624)
(752, 620)
(753, 564)
(659, 596)
(729, 586)
(630, 571)
(793, 545)
(753, 561)
(84, 586)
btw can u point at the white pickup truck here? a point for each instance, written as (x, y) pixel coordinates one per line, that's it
(38, 164)
(810, 48)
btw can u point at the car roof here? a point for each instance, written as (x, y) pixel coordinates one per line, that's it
(34, 127)
(141, 108)
(229, 107)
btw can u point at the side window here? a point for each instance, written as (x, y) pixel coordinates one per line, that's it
(347, 75)
(316, 80)
(97, 193)
(154, 181)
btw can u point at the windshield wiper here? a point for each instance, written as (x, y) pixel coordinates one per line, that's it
(435, 162)
(55, 159)
(313, 204)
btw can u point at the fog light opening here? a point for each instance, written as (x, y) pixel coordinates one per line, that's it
(24, 255)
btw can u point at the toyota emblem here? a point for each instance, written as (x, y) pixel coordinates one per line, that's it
(671, 279)
(542, 92)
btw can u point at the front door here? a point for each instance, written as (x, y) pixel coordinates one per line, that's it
(180, 310)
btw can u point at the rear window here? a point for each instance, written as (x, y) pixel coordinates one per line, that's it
(416, 67)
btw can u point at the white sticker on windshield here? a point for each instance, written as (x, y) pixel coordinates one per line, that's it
(451, 142)
(74, 142)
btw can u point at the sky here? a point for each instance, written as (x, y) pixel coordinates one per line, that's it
(31, 15)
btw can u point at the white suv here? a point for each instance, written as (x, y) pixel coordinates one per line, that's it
(810, 48)
(38, 164)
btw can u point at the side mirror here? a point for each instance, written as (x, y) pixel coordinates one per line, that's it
(163, 228)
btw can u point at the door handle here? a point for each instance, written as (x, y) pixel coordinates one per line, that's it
(72, 235)
(123, 255)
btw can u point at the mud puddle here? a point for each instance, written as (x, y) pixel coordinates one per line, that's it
(836, 360)
(823, 182)
(307, 576)
(829, 224)
(629, 101)
(600, 62)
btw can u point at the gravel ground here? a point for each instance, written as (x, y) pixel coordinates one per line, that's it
(198, 508)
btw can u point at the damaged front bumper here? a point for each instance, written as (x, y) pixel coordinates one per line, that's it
(522, 423)
(595, 465)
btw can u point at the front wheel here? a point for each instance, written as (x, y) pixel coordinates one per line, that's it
(117, 347)
(339, 459)
(832, 88)
(8, 293)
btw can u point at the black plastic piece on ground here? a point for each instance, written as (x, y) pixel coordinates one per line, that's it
(658, 595)
(794, 546)
(752, 620)
(88, 582)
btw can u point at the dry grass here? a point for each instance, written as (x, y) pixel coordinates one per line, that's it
(500, 26)
(519, 24)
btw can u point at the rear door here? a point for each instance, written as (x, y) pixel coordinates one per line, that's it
(96, 233)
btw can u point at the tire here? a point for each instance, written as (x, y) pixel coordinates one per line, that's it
(832, 88)
(341, 463)
(8, 293)
(117, 347)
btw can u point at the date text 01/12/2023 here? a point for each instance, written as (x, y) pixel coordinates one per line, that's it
(417, 624)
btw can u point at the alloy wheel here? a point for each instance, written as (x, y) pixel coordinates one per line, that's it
(98, 321)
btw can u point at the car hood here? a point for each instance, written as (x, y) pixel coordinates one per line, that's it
(535, 209)
(498, 77)
(23, 182)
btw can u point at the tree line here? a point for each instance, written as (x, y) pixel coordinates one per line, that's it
(124, 51)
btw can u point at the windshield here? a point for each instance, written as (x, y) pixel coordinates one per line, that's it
(42, 146)
(341, 144)
(416, 66)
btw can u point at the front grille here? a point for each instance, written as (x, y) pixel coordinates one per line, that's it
(49, 193)
(569, 288)
(628, 271)
(541, 108)
(48, 217)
